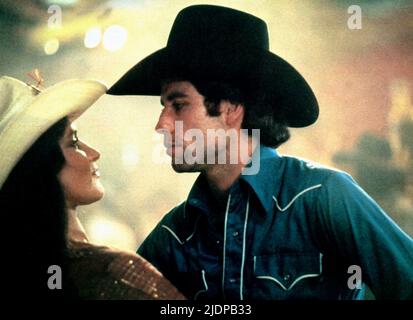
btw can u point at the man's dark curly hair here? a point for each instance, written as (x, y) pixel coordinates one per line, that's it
(258, 111)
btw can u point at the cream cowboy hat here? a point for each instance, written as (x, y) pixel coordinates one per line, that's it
(26, 113)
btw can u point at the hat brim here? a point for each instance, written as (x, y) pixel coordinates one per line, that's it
(258, 71)
(68, 98)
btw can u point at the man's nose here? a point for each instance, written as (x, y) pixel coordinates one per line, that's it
(166, 121)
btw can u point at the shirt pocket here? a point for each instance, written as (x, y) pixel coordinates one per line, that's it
(279, 275)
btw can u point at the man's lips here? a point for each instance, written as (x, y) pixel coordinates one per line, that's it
(170, 149)
(172, 144)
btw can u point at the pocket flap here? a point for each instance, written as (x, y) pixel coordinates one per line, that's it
(287, 269)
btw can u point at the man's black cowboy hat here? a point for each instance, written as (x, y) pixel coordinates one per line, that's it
(222, 44)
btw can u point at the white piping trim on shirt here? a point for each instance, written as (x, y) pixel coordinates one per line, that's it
(176, 237)
(309, 275)
(295, 198)
(273, 279)
(205, 285)
(243, 250)
(225, 243)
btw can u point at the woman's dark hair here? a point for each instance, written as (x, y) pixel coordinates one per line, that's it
(258, 110)
(33, 206)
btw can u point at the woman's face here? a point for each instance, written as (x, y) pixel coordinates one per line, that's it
(79, 176)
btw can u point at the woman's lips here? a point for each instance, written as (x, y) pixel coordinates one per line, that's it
(96, 172)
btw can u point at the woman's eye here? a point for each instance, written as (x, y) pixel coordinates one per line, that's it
(75, 144)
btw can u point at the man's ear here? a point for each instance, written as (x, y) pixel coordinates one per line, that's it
(232, 113)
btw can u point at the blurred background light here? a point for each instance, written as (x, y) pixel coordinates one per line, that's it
(62, 2)
(110, 231)
(125, 3)
(93, 37)
(51, 46)
(114, 38)
(130, 155)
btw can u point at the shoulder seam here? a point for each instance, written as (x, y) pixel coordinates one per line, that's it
(175, 235)
(295, 197)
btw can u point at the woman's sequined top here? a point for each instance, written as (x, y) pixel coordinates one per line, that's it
(106, 273)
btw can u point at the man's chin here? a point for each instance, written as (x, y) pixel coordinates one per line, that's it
(184, 167)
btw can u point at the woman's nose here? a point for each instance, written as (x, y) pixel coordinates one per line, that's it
(92, 153)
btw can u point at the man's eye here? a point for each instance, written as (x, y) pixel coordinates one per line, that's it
(178, 105)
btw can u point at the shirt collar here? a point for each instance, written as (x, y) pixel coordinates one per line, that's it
(265, 183)
(199, 194)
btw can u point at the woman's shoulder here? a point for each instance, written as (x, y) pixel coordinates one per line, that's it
(84, 249)
(111, 273)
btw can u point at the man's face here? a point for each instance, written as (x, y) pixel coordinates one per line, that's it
(183, 111)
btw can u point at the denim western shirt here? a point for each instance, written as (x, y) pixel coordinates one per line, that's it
(294, 230)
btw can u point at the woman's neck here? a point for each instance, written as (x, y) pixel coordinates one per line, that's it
(76, 232)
